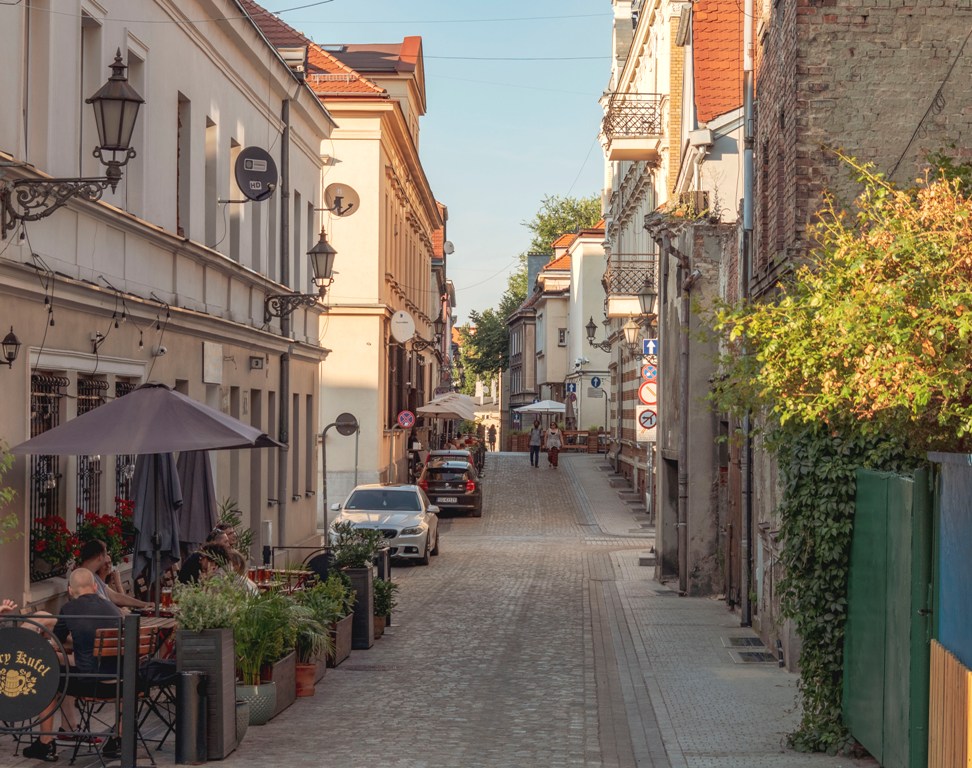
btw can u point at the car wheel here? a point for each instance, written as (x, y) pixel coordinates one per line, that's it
(435, 549)
(424, 559)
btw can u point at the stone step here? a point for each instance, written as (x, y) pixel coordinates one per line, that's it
(646, 558)
(619, 483)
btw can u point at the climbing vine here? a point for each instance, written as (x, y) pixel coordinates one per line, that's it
(859, 360)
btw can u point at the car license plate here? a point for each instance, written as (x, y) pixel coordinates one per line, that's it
(448, 499)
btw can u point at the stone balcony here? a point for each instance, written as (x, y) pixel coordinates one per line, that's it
(633, 126)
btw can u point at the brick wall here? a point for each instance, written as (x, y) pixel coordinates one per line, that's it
(884, 81)
(676, 78)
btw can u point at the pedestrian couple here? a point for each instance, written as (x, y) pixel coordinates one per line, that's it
(551, 438)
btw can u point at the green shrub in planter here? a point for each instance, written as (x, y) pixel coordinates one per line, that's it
(211, 604)
(385, 600)
(355, 547)
(265, 631)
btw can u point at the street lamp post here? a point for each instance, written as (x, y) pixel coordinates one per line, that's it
(321, 258)
(116, 106)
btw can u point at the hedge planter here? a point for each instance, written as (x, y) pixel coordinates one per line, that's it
(341, 633)
(363, 627)
(212, 651)
(284, 674)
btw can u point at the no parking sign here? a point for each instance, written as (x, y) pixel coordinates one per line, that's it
(406, 419)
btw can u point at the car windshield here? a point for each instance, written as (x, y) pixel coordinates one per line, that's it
(383, 499)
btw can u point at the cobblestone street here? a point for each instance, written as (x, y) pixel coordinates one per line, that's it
(535, 639)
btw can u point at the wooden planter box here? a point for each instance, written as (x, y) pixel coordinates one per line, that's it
(341, 632)
(363, 627)
(284, 674)
(212, 652)
(592, 443)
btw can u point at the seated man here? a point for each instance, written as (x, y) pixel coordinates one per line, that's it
(94, 557)
(79, 619)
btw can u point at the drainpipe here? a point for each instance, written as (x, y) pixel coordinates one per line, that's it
(283, 453)
(685, 309)
(746, 468)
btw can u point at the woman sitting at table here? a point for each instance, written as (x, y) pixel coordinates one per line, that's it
(202, 564)
(236, 563)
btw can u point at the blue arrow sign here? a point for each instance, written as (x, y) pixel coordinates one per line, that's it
(650, 346)
(571, 386)
(596, 381)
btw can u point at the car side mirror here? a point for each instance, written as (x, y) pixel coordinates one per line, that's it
(434, 510)
(335, 507)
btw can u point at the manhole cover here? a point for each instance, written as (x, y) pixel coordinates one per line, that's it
(742, 642)
(752, 657)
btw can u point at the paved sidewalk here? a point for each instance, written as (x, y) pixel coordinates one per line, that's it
(678, 679)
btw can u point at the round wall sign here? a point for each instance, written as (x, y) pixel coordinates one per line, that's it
(406, 419)
(30, 675)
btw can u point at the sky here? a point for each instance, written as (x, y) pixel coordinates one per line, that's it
(512, 91)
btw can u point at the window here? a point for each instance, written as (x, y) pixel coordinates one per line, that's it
(183, 165)
(211, 192)
(235, 209)
(561, 337)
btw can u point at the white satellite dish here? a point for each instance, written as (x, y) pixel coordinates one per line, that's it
(402, 326)
(448, 248)
(341, 200)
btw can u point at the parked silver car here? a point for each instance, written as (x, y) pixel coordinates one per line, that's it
(403, 513)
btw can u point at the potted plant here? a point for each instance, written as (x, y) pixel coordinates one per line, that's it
(260, 632)
(338, 588)
(354, 552)
(53, 546)
(313, 649)
(206, 612)
(385, 601)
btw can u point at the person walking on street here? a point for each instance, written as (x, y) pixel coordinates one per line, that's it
(554, 441)
(492, 437)
(536, 439)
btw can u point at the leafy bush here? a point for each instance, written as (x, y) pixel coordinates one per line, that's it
(384, 596)
(355, 547)
(211, 604)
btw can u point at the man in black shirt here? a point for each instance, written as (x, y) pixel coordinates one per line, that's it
(82, 616)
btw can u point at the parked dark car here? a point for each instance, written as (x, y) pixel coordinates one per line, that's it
(453, 485)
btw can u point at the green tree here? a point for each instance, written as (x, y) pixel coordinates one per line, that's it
(486, 351)
(8, 522)
(561, 215)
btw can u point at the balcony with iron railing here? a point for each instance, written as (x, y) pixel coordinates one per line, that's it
(633, 126)
(624, 280)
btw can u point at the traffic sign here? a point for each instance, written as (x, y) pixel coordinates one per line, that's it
(648, 393)
(647, 418)
(650, 372)
(595, 381)
(571, 386)
(406, 419)
(346, 424)
(650, 346)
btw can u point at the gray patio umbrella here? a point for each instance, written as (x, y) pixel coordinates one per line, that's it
(198, 514)
(158, 498)
(150, 419)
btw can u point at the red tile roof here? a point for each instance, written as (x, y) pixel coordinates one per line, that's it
(326, 75)
(564, 241)
(380, 57)
(561, 262)
(717, 39)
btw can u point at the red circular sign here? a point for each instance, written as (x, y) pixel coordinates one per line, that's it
(406, 419)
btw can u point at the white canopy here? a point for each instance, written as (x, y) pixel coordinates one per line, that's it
(544, 406)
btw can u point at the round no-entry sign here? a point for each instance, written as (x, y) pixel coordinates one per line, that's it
(648, 393)
(406, 419)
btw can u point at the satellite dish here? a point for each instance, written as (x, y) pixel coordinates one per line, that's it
(448, 248)
(341, 200)
(256, 173)
(402, 326)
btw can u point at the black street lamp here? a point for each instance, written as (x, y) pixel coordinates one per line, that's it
(116, 106)
(11, 347)
(321, 258)
(591, 328)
